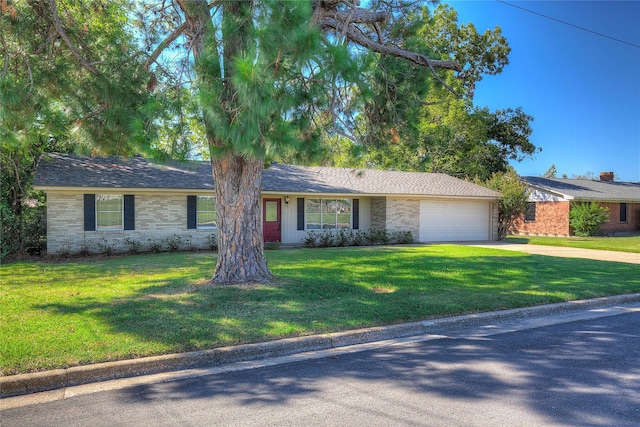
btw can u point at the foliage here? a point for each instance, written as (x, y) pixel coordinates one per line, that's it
(257, 80)
(346, 237)
(552, 172)
(586, 218)
(411, 122)
(135, 246)
(213, 241)
(272, 246)
(513, 198)
(156, 304)
(24, 233)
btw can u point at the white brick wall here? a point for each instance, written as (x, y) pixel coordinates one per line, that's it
(158, 219)
(403, 215)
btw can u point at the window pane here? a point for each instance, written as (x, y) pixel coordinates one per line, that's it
(530, 212)
(206, 214)
(329, 206)
(271, 211)
(313, 221)
(623, 212)
(344, 220)
(313, 205)
(109, 212)
(328, 214)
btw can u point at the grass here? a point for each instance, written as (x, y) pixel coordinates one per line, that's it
(620, 244)
(57, 315)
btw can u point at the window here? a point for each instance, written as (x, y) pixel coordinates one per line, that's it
(530, 212)
(623, 212)
(109, 212)
(207, 216)
(328, 214)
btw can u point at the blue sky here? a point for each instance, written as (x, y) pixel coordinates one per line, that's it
(582, 89)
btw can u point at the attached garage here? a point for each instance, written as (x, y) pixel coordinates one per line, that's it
(455, 221)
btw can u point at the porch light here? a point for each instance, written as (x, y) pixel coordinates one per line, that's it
(286, 199)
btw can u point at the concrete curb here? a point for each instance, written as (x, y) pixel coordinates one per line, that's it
(16, 385)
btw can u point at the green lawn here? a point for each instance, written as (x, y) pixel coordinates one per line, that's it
(58, 315)
(621, 244)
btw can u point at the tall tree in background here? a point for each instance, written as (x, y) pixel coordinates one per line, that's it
(69, 80)
(270, 77)
(415, 122)
(552, 172)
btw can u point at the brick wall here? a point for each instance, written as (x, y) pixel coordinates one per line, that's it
(379, 213)
(614, 225)
(158, 219)
(552, 219)
(403, 215)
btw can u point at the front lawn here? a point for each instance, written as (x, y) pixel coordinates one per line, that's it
(620, 244)
(57, 315)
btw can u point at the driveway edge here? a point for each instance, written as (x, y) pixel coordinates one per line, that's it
(16, 385)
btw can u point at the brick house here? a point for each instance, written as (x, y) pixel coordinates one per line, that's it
(92, 200)
(550, 202)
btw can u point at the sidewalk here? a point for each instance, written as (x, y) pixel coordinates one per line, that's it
(565, 252)
(204, 362)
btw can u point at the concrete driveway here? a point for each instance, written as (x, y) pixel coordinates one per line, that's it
(564, 252)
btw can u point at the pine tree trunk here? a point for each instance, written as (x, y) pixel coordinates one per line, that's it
(241, 259)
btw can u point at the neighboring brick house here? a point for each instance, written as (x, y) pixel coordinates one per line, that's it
(93, 200)
(551, 198)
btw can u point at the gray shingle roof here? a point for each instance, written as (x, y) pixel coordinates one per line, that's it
(64, 170)
(585, 189)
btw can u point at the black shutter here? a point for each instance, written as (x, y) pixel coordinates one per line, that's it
(89, 212)
(356, 214)
(300, 213)
(192, 206)
(129, 212)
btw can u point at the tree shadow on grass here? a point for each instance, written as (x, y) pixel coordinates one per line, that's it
(174, 316)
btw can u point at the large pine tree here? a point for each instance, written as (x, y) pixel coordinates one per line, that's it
(270, 76)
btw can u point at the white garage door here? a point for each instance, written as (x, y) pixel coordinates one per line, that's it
(454, 221)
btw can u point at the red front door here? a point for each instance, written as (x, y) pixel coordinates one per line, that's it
(271, 220)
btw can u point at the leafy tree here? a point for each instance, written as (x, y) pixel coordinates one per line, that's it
(552, 172)
(58, 60)
(586, 218)
(271, 78)
(587, 175)
(513, 198)
(415, 122)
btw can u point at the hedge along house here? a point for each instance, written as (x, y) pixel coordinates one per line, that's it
(550, 201)
(98, 202)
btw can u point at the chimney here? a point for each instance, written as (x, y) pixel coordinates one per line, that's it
(606, 176)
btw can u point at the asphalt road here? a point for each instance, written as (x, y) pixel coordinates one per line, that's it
(584, 372)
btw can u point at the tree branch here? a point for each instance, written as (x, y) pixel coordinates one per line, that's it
(74, 51)
(164, 44)
(360, 38)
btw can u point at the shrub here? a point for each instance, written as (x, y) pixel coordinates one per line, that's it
(378, 237)
(106, 248)
(272, 246)
(359, 238)
(587, 218)
(25, 233)
(310, 240)
(343, 237)
(213, 241)
(173, 243)
(155, 246)
(402, 237)
(326, 239)
(134, 245)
